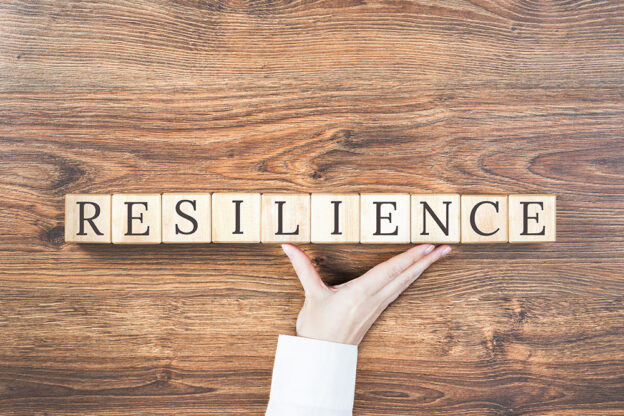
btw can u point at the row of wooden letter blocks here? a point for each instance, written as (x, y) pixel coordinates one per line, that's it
(304, 218)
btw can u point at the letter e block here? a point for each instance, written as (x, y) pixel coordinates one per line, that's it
(435, 218)
(236, 218)
(136, 218)
(484, 219)
(285, 218)
(532, 218)
(385, 218)
(335, 218)
(87, 218)
(186, 218)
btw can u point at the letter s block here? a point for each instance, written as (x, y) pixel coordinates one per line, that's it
(532, 218)
(87, 218)
(186, 218)
(484, 219)
(136, 219)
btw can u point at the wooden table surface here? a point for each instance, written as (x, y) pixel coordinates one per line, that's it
(515, 96)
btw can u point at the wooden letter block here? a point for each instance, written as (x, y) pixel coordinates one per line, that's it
(532, 218)
(235, 218)
(87, 218)
(385, 218)
(484, 219)
(435, 218)
(335, 218)
(136, 218)
(285, 218)
(186, 218)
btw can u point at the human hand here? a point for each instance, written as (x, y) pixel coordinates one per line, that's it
(345, 312)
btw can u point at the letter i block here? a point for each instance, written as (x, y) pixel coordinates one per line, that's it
(532, 218)
(87, 218)
(435, 218)
(484, 219)
(186, 218)
(285, 218)
(136, 218)
(335, 218)
(385, 218)
(236, 218)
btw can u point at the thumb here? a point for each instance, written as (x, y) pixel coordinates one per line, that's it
(309, 278)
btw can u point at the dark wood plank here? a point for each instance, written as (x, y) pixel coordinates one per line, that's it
(123, 96)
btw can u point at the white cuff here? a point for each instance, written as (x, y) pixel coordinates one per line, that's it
(312, 377)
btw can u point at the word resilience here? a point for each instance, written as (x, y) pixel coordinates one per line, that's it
(305, 218)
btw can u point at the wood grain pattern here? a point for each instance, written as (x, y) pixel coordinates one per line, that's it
(515, 96)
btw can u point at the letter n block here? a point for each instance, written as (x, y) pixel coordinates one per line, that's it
(136, 218)
(87, 218)
(385, 218)
(285, 218)
(435, 218)
(532, 218)
(186, 218)
(236, 218)
(484, 219)
(335, 218)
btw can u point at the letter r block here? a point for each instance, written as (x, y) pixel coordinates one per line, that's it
(532, 218)
(435, 218)
(285, 218)
(136, 218)
(236, 218)
(484, 219)
(186, 218)
(87, 218)
(385, 218)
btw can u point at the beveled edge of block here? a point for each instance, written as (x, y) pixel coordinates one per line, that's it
(137, 194)
(554, 239)
(273, 194)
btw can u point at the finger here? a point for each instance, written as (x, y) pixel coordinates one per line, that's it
(309, 278)
(393, 289)
(378, 277)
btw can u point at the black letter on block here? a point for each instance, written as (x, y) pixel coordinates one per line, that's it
(472, 218)
(82, 204)
(427, 208)
(186, 216)
(130, 218)
(336, 218)
(526, 218)
(280, 205)
(389, 218)
(237, 204)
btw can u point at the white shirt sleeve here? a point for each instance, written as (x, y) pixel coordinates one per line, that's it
(312, 378)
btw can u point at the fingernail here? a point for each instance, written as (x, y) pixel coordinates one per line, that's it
(429, 249)
(446, 250)
(286, 249)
